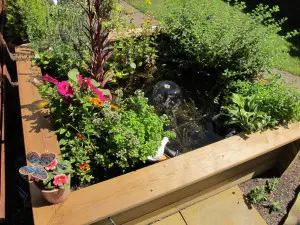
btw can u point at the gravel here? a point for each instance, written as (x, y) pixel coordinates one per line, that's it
(285, 193)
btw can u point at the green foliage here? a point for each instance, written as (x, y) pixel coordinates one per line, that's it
(222, 37)
(271, 185)
(100, 134)
(244, 112)
(275, 206)
(273, 97)
(15, 27)
(135, 53)
(132, 133)
(258, 195)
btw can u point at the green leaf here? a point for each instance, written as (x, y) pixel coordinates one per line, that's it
(95, 83)
(62, 142)
(72, 74)
(133, 65)
(62, 131)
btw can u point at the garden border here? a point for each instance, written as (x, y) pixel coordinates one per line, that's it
(148, 193)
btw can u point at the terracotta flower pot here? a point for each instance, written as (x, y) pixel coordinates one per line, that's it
(56, 195)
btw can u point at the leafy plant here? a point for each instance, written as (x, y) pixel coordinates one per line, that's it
(137, 52)
(258, 195)
(275, 206)
(99, 15)
(271, 185)
(131, 133)
(244, 113)
(222, 38)
(273, 97)
(97, 133)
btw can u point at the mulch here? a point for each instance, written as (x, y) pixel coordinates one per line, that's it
(286, 192)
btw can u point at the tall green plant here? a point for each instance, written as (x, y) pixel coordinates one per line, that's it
(221, 37)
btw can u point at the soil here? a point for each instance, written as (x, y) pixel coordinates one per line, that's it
(285, 193)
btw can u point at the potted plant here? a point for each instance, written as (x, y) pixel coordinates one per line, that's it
(51, 176)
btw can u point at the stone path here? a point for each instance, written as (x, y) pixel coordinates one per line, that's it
(134, 16)
(225, 208)
(289, 78)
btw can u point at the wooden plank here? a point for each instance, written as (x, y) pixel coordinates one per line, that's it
(36, 129)
(151, 183)
(290, 154)
(207, 188)
(227, 208)
(138, 188)
(175, 219)
(294, 214)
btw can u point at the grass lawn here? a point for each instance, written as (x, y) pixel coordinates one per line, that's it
(159, 9)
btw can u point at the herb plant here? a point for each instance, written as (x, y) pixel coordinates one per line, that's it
(258, 195)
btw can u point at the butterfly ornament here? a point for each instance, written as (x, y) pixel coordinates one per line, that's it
(39, 162)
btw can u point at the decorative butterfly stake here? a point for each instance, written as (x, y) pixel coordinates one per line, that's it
(39, 162)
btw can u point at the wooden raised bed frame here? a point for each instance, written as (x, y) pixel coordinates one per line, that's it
(147, 194)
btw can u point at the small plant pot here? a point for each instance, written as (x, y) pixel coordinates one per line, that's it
(57, 195)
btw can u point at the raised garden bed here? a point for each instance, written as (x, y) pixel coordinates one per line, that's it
(149, 192)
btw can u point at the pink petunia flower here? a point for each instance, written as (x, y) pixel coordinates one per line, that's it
(48, 78)
(52, 166)
(100, 95)
(65, 89)
(80, 79)
(89, 83)
(60, 180)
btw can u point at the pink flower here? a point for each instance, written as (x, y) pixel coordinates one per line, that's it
(100, 95)
(36, 179)
(52, 166)
(89, 83)
(60, 180)
(80, 79)
(48, 78)
(65, 89)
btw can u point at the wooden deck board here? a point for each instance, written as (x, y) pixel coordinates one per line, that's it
(37, 136)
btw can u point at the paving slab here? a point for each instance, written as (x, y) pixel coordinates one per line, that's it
(226, 208)
(294, 214)
(175, 219)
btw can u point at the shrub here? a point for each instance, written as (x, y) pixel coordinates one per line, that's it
(15, 27)
(130, 134)
(96, 133)
(221, 37)
(244, 113)
(135, 53)
(274, 97)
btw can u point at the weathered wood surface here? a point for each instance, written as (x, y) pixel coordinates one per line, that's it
(174, 178)
(36, 128)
